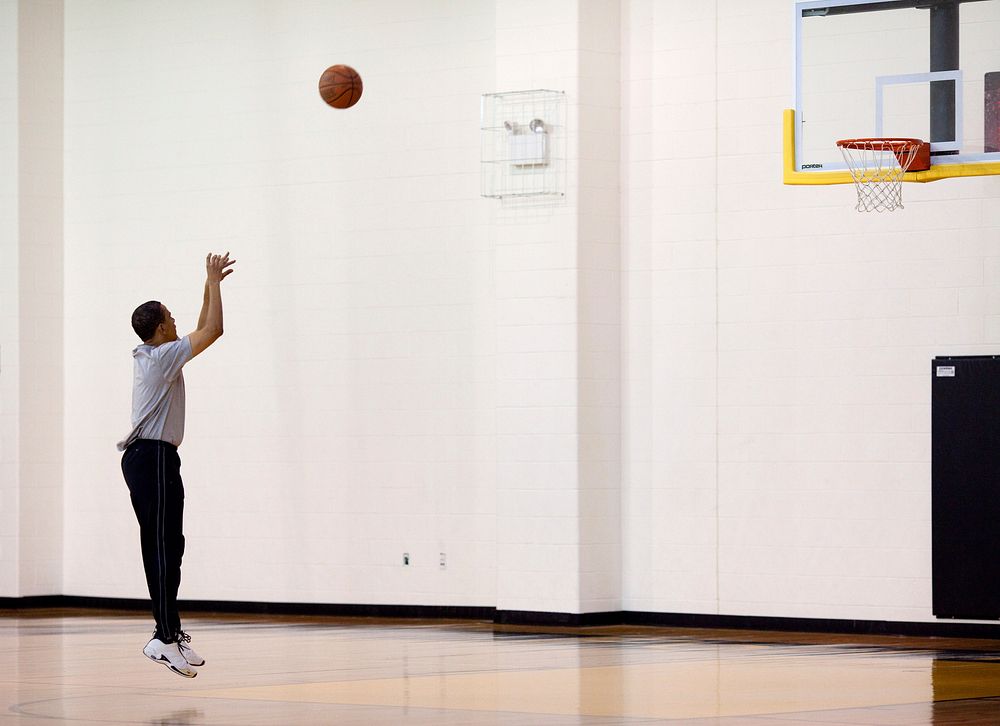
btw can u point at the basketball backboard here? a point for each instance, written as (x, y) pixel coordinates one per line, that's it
(928, 69)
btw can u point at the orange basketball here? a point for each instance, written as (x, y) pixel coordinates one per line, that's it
(340, 86)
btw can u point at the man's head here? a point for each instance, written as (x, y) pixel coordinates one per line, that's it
(153, 323)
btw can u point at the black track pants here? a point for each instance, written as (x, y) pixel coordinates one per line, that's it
(152, 471)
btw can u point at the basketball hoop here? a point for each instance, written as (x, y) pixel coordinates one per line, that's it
(878, 165)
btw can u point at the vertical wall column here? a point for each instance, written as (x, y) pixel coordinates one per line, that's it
(671, 509)
(8, 300)
(40, 296)
(558, 306)
(599, 308)
(536, 312)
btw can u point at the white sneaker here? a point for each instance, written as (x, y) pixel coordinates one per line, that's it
(187, 651)
(169, 655)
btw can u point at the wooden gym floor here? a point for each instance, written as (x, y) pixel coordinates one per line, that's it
(86, 668)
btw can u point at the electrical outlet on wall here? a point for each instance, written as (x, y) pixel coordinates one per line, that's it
(442, 562)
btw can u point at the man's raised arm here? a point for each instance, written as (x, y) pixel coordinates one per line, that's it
(217, 268)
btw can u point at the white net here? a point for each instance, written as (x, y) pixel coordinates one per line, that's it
(877, 166)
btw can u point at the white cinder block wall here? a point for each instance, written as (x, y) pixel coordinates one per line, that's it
(778, 343)
(408, 367)
(347, 416)
(828, 320)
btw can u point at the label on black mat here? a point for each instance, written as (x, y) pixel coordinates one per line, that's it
(946, 371)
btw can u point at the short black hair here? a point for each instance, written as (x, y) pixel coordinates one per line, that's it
(145, 318)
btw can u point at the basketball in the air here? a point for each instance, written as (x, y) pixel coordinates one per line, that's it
(340, 86)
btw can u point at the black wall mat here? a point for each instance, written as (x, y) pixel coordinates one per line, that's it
(965, 488)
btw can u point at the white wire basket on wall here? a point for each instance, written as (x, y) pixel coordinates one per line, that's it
(523, 144)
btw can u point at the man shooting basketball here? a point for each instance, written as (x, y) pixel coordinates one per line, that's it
(150, 463)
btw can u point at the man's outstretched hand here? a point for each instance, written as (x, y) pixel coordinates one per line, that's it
(218, 267)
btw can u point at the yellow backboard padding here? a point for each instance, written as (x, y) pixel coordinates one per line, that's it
(936, 172)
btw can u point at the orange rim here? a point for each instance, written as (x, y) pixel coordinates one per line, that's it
(880, 143)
